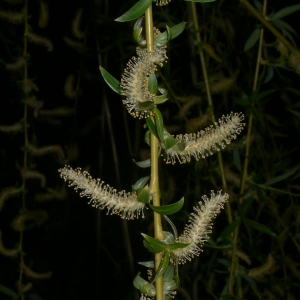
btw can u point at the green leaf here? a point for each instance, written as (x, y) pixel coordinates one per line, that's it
(148, 289)
(168, 209)
(177, 246)
(286, 11)
(8, 292)
(146, 105)
(151, 248)
(143, 164)
(169, 237)
(176, 30)
(247, 204)
(178, 147)
(162, 267)
(259, 116)
(280, 177)
(140, 183)
(260, 227)
(262, 95)
(283, 25)
(152, 84)
(169, 274)
(172, 225)
(147, 264)
(228, 230)
(169, 140)
(162, 98)
(135, 11)
(137, 36)
(138, 23)
(151, 126)
(236, 159)
(111, 81)
(159, 245)
(252, 40)
(249, 280)
(138, 281)
(169, 285)
(161, 39)
(144, 195)
(224, 262)
(159, 123)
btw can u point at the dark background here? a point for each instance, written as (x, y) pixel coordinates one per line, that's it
(84, 248)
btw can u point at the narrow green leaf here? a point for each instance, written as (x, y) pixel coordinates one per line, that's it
(147, 137)
(138, 281)
(140, 183)
(169, 274)
(144, 195)
(286, 11)
(147, 264)
(228, 230)
(280, 177)
(263, 95)
(111, 81)
(252, 40)
(162, 267)
(177, 246)
(159, 123)
(295, 91)
(259, 116)
(176, 30)
(281, 24)
(260, 227)
(169, 237)
(148, 289)
(155, 243)
(172, 225)
(249, 280)
(178, 147)
(169, 209)
(151, 127)
(152, 84)
(161, 39)
(169, 140)
(247, 204)
(162, 98)
(143, 164)
(151, 248)
(224, 262)
(135, 11)
(138, 23)
(236, 158)
(169, 285)
(137, 36)
(8, 292)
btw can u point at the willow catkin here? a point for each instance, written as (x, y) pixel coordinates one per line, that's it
(199, 226)
(207, 141)
(102, 195)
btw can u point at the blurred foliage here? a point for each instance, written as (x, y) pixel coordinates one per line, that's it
(78, 112)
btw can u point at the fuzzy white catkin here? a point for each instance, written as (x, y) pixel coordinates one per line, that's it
(202, 144)
(102, 195)
(199, 226)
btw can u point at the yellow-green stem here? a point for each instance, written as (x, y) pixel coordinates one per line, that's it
(154, 183)
(234, 259)
(209, 99)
